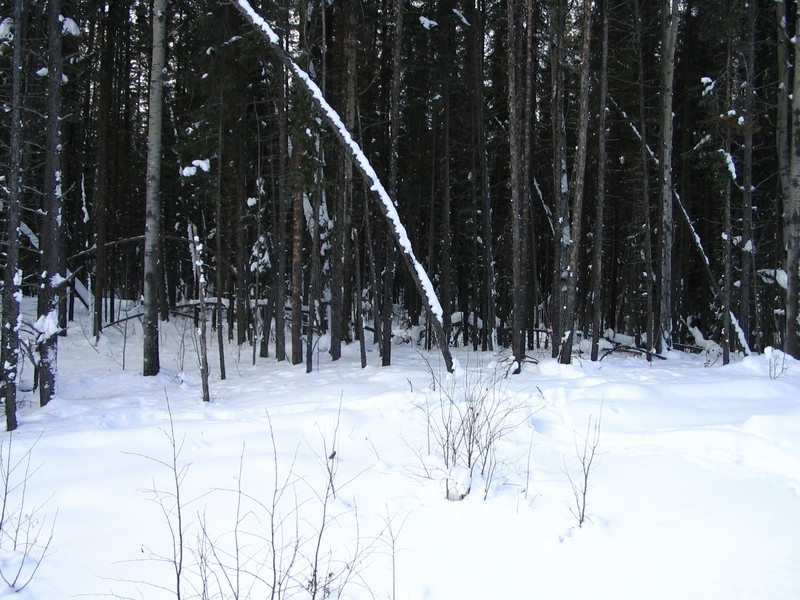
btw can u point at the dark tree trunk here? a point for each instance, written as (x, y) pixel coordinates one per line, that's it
(597, 250)
(748, 244)
(517, 219)
(297, 254)
(220, 276)
(487, 262)
(578, 187)
(103, 183)
(645, 171)
(560, 179)
(47, 340)
(9, 337)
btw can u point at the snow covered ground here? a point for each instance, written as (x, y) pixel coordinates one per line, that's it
(693, 492)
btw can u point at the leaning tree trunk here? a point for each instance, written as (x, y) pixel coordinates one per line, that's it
(152, 229)
(385, 202)
(9, 338)
(47, 324)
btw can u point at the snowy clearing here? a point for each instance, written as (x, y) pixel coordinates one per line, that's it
(694, 491)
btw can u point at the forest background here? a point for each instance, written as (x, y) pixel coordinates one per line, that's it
(561, 168)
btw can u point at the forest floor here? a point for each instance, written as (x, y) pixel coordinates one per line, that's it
(336, 483)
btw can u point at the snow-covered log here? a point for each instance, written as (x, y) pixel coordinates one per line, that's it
(385, 202)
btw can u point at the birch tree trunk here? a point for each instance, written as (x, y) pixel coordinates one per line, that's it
(152, 229)
(669, 28)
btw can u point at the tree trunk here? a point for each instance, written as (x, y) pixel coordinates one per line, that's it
(316, 271)
(297, 253)
(196, 249)
(219, 276)
(103, 177)
(597, 251)
(560, 180)
(670, 18)
(9, 337)
(727, 252)
(152, 230)
(282, 201)
(644, 151)
(343, 247)
(748, 247)
(792, 215)
(478, 51)
(47, 324)
(578, 187)
(517, 220)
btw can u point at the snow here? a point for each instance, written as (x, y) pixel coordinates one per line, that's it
(6, 29)
(461, 17)
(204, 164)
(726, 156)
(69, 26)
(427, 23)
(694, 494)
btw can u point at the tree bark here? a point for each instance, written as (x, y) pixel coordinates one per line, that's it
(297, 252)
(487, 262)
(517, 219)
(9, 337)
(560, 180)
(219, 272)
(47, 324)
(579, 174)
(597, 251)
(748, 244)
(670, 18)
(104, 163)
(792, 215)
(644, 151)
(152, 230)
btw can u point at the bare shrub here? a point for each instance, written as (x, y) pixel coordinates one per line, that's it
(273, 547)
(25, 532)
(585, 452)
(466, 417)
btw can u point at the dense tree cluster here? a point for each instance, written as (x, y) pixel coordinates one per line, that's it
(561, 168)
